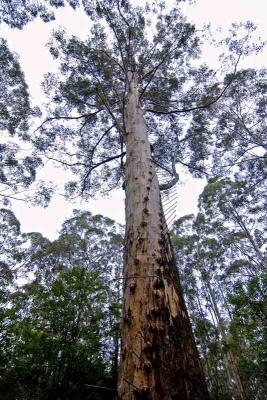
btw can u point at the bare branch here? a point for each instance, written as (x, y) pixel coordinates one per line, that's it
(11, 197)
(102, 137)
(122, 16)
(193, 167)
(107, 160)
(101, 387)
(66, 163)
(161, 166)
(67, 118)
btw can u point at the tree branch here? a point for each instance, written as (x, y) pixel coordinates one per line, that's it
(110, 57)
(115, 34)
(98, 165)
(171, 183)
(65, 162)
(152, 72)
(66, 117)
(185, 110)
(11, 197)
(193, 167)
(100, 387)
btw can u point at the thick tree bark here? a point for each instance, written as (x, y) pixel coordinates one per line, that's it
(159, 359)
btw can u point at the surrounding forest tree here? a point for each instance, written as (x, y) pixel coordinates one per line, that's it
(60, 331)
(16, 173)
(119, 94)
(17, 167)
(222, 266)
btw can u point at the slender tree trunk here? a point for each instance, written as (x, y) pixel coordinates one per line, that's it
(225, 302)
(246, 231)
(206, 340)
(159, 359)
(231, 359)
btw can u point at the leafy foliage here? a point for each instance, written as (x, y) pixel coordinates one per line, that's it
(18, 13)
(85, 129)
(17, 170)
(222, 257)
(60, 330)
(14, 101)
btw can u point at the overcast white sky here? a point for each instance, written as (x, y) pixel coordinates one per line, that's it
(30, 44)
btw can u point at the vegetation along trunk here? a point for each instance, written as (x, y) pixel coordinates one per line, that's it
(159, 359)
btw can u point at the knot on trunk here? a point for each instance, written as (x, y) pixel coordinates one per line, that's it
(132, 286)
(128, 317)
(143, 224)
(148, 347)
(147, 366)
(160, 261)
(157, 294)
(154, 312)
(141, 393)
(158, 283)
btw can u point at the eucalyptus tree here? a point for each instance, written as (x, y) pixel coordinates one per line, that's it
(241, 213)
(17, 171)
(55, 338)
(10, 241)
(94, 244)
(105, 90)
(59, 331)
(200, 258)
(222, 253)
(118, 95)
(80, 242)
(239, 225)
(248, 326)
(240, 126)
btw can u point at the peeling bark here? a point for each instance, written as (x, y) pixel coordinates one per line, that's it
(159, 359)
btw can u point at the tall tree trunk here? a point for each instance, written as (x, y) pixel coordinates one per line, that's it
(231, 359)
(159, 359)
(237, 217)
(116, 336)
(206, 340)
